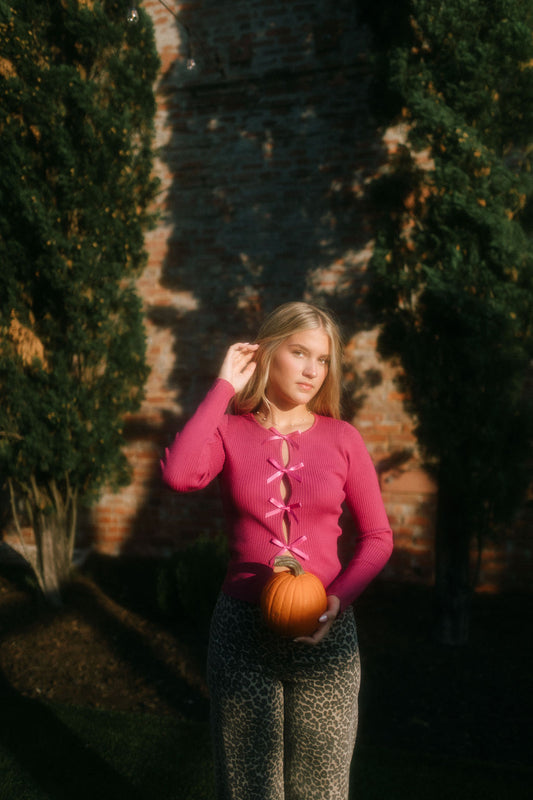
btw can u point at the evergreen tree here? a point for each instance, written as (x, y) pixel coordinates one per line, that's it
(76, 126)
(453, 263)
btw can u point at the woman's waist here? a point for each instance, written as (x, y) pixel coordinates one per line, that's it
(245, 578)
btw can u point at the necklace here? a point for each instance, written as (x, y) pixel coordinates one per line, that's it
(264, 419)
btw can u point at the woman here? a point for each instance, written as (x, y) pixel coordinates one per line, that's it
(284, 712)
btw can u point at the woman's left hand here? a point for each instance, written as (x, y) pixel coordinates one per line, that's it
(324, 623)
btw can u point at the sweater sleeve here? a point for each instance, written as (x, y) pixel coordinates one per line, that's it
(197, 453)
(374, 543)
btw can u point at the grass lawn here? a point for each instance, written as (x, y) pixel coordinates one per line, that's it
(60, 753)
(66, 753)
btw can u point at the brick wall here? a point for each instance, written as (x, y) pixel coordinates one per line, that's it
(267, 149)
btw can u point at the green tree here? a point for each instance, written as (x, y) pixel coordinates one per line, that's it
(76, 185)
(453, 263)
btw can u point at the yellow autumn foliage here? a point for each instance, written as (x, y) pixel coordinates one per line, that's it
(27, 344)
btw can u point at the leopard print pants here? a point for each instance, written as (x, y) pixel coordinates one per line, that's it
(283, 714)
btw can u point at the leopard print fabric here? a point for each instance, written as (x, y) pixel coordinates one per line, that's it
(283, 714)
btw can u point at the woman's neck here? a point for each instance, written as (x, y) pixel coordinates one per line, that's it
(284, 421)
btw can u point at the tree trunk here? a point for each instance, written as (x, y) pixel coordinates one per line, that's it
(53, 567)
(52, 513)
(453, 588)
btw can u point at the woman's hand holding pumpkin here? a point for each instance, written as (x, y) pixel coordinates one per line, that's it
(324, 622)
(238, 365)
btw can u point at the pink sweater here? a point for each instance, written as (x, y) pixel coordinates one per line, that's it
(328, 465)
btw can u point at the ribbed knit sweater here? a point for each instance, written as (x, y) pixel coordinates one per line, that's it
(328, 465)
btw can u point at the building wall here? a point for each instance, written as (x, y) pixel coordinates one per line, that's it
(267, 150)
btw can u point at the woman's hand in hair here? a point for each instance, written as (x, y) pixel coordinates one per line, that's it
(239, 365)
(324, 623)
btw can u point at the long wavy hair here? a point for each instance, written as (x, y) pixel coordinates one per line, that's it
(281, 323)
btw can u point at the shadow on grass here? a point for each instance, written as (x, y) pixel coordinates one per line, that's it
(180, 686)
(61, 753)
(64, 752)
(45, 754)
(183, 693)
(47, 759)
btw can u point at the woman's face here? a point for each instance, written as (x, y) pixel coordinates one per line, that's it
(298, 368)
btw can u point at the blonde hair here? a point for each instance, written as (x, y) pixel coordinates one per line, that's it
(281, 323)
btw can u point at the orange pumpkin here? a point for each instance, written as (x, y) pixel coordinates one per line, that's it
(293, 600)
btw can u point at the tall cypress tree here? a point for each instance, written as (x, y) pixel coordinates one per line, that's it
(453, 262)
(76, 127)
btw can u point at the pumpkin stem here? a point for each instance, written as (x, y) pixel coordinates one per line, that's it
(291, 563)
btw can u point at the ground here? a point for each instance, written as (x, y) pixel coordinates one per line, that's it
(96, 650)
(110, 646)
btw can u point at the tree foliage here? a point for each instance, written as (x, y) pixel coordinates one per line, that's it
(453, 261)
(76, 126)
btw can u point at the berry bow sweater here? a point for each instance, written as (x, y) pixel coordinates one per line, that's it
(328, 465)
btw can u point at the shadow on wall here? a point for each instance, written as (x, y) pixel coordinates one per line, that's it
(271, 146)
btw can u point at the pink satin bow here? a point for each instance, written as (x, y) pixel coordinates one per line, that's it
(290, 547)
(282, 507)
(283, 470)
(287, 437)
